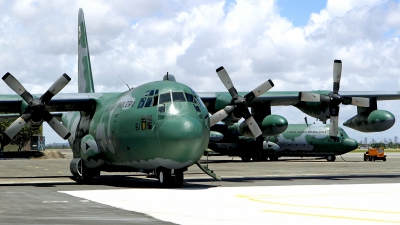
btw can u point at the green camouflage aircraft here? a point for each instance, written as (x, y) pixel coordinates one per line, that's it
(300, 140)
(163, 127)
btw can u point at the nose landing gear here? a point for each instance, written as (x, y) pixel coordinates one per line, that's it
(170, 177)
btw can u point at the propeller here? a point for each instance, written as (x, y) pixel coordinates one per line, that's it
(334, 99)
(36, 112)
(238, 103)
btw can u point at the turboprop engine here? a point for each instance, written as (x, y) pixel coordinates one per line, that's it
(270, 126)
(376, 121)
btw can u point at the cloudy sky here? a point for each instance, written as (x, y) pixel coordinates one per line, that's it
(291, 42)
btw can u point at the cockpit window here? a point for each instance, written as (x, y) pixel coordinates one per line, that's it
(141, 103)
(189, 97)
(195, 101)
(146, 93)
(178, 97)
(164, 98)
(151, 93)
(201, 102)
(149, 102)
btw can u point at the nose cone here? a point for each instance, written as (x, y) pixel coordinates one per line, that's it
(183, 138)
(350, 144)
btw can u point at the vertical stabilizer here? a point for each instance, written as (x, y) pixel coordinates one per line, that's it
(85, 79)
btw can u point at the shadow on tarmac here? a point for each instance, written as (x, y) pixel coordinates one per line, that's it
(128, 181)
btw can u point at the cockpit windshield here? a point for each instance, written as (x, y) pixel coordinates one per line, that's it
(189, 97)
(178, 97)
(164, 98)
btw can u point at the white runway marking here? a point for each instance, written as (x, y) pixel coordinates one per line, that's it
(303, 204)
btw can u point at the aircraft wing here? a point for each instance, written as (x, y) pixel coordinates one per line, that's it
(62, 102)
(379, 95)
(282, 98)
(275, 98)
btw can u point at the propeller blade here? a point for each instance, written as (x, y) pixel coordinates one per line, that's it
(226, 80)
(56, 125)
(16, 126)
(333, 130)
(220, 115)
(264, 87)
(309, 97)
(359, 101)
(55, 88)
(253, 126)
(16, 86)
(337, 74)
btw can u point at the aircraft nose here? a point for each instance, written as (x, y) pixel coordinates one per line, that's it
(183, 138)
(350, 143)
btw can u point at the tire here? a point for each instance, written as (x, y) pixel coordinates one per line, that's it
(177, 182)
(384, 159)
(88, 175)
(365, 158)
(373, 159)
(330, 158)
(164, 177)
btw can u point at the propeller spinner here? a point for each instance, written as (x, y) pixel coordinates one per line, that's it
(238, 103)
(36, 112)
(334, 99)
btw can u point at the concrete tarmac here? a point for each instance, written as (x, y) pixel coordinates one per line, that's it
(40, 191)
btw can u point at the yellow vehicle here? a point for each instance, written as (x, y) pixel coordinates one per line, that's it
(375, 154)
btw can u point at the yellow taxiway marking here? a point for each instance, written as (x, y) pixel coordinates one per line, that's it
(255, 198)
(332, 216)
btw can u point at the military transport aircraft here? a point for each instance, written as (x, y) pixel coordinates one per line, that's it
(300, 140)
(162, 127)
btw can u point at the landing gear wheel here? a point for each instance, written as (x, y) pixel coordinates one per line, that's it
(330, 158)
(164, 177)
(168, 178)
(81, 173)
(178, 181)
(87, 176)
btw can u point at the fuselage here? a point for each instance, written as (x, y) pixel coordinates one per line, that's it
(310, 140)
(158, 124)
(297, 140)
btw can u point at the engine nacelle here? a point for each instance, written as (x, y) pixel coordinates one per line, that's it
(270, 126)
(376, 121)
(230, 119)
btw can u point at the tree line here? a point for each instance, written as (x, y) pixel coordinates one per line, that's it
(22, 138)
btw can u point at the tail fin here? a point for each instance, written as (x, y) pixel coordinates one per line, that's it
(85, 79)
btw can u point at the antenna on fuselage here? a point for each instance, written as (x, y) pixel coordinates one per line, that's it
(305, 119)
(169, 77)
